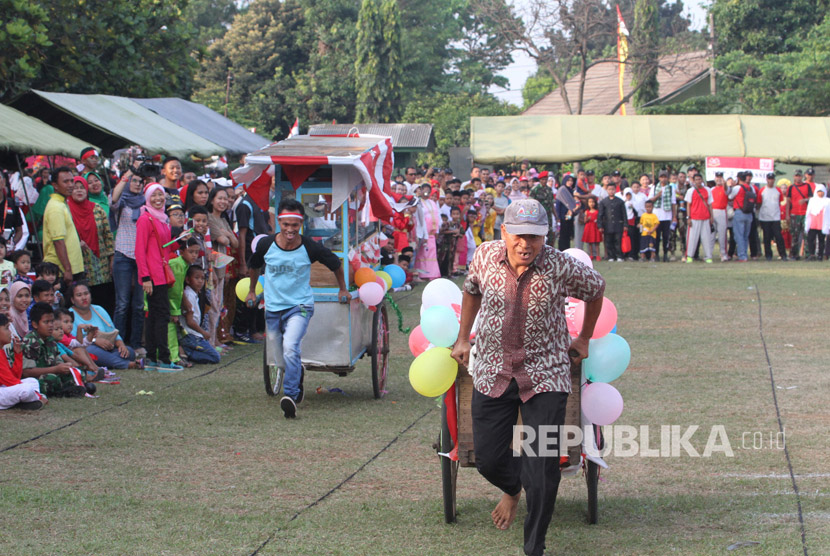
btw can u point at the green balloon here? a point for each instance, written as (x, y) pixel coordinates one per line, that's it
(608, 358)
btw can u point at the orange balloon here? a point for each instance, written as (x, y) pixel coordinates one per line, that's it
(364, 275)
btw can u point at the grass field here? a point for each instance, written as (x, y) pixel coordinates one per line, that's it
(208, 465)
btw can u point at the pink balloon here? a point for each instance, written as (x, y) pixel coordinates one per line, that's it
(605, 323)
(418, 344)
(580, 255)
(380, 281)
(602, 404)
(371, 293)
(570, 315)
(457, 308)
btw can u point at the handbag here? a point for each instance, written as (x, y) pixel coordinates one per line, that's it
(626, 242)
(169, 277)
(110, 336)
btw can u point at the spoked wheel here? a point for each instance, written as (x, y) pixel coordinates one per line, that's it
(272, 374)
(380, 351)
(592, 479)
(449, 470)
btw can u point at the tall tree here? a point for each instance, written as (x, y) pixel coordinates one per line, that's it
(378, 62)
(645, 52)
(24, 40)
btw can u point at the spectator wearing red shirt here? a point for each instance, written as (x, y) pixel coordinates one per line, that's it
(744, 197)
(720, 200)
(698, 200)
(798, 195)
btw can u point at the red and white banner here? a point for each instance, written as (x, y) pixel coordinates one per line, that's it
(731, 165)
(295, 129)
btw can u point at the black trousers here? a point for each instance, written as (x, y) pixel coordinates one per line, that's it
(493, 421)
(772, 231)
(155, 327)
(663, 237)
(613, 245)
(754, 240)
(812, 236)
(634, 236)
(566, 233)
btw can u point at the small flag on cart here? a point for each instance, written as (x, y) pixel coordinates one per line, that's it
(295, 129)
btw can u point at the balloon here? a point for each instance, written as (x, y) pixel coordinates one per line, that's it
(418, 344)
(441, 292)
(244, 286)
(397, 274)
(370, 293)
(608, 358)
(363, 276)
(386, 278)
(614, 330)
(380, 282)
(440, 325)
(605, 323)
(602, 404)
(457, 309)
(580, 256)
(570, 315)
(433, 372)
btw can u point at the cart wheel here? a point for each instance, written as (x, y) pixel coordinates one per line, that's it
(380, 351)
(449, 470)
(273, 375)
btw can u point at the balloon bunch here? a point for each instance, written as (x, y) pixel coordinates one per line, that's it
(434, 370)
(608, 356)
(372, 285)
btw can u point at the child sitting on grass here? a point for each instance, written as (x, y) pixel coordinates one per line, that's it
(22, 260)
(71, 347)
(194, 342)
(16, 392)
(55, 373)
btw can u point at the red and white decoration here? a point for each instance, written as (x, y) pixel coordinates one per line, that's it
(731, 165)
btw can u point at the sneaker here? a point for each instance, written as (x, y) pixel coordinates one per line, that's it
(665, 258)
(162, 367)
(708, 261)
(618, 260)
(147, 365)
(244, 339)
(689, 260)
(289, 407)
(29, 406)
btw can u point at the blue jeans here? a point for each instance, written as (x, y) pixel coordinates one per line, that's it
(740, 228)
(198, 349)
(129, 299)
(110, 359)
(286, 328)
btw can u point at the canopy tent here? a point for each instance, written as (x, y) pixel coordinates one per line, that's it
(114, 122)
(366, 158)
(22, 134)
(506, 139)
(206, 123)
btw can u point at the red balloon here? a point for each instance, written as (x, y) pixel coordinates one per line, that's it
(570, 314)
(417, 341)
(605, 323)
(457, 308)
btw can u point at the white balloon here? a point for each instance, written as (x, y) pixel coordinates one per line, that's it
(580, 256)
(441, 292)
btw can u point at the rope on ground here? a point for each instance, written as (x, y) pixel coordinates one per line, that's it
(343, 482)
(781, 422)
(121, 404)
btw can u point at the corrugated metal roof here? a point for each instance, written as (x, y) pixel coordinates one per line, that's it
(404, 136)
(308, 146)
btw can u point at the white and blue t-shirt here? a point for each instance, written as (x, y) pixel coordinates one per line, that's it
(287, 274)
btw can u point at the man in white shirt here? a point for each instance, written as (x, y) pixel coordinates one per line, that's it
(665, 207)
(409, 179)
(770, 218)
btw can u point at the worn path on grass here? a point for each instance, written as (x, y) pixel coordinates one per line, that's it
(210, 467)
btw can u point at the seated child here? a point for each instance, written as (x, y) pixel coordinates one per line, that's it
(6, 267)
(22, 260)
(71, 347)
(16, 392)
(194, 342)
(55, 373)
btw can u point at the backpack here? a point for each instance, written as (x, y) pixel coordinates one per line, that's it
(750, 200)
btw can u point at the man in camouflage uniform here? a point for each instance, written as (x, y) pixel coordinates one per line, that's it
(544, 194)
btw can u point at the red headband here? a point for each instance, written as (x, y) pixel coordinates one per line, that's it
(290, 215)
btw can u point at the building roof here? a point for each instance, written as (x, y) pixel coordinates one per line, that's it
(602, 94)
(412, 137)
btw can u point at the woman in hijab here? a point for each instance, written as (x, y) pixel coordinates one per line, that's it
(817, 223)
(21, 298)
(565, 206)
(97, 243)
(96, 191)
(152, 234)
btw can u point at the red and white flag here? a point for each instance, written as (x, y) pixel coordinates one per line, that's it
(295, 129)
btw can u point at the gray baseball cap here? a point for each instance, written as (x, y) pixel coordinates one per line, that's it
(526, 216)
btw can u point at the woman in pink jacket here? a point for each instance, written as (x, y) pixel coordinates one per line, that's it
(152, 233)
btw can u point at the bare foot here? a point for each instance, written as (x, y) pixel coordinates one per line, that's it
(505, 511)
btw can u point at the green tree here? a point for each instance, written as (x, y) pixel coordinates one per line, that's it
(645, 52)
(210, 18)
(378, 62)
(536, 87)
(23, 44)
(450, 114)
